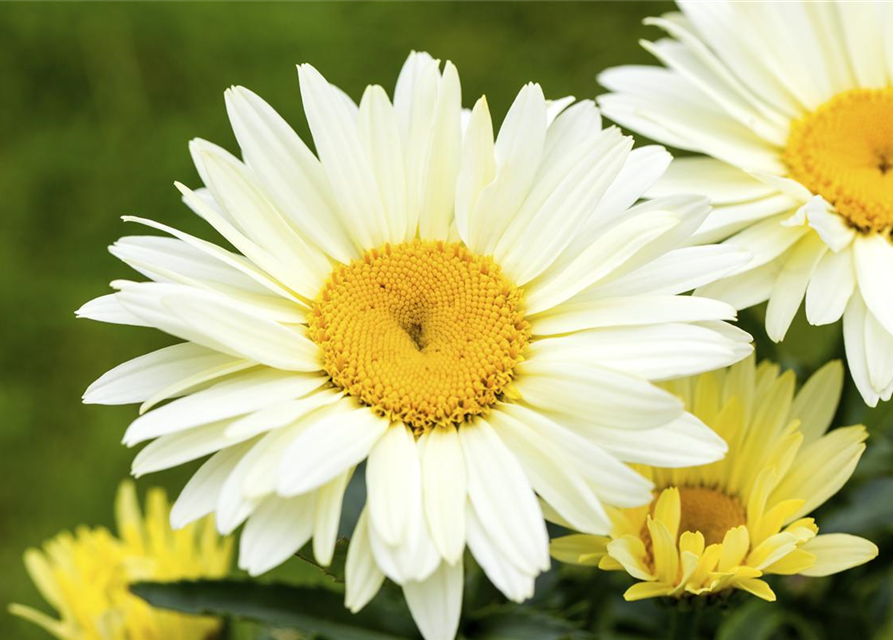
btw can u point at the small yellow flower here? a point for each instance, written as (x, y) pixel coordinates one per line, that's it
(86, 576)
(727, 524)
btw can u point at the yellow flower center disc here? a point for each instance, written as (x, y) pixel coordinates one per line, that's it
(843, 151)
(709, 511)
(424, 332)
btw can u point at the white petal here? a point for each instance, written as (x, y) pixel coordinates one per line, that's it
(515, 583)
(327, 447)
(675, 272)
(393, 465)
(518, 151)
(108, 308)
(573, 273)
(790, 285)
(654, 352)
(289, 172)
(721, 182)
(855, 344)
(141, 378)
(830, 288)
(478, 166)
(879, 352)
(684, 442)
(502, 497)
(336, 136)
(830, 226)
(613, 482)
(363, 578)
(747, 288)
(200, 495)
(586, 394)
(234, 187)
(242, 394)
(443, 159)
(415, 100)
(275, 531)
(436, 602)
(562, 200)
(444, 492)
(874, 264)
(327, 517)
(379, 133)
(177, 448)
(552, 474)
(227, 258)
(636, 310)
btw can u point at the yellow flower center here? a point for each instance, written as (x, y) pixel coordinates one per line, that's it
(709, 511)
(424, 332)
(843, 151)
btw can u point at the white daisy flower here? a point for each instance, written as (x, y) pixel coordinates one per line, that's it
(792, 101)
(477, 319)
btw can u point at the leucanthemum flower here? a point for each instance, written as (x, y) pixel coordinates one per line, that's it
(85, 576)
(728, 524)
(792, 101)
(476, 318)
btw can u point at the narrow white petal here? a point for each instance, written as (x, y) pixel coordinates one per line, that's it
(874, 264)
(587, 394)
(444, 492)
(139, 379)
(830, 287)
(289, 172)
(275, 531)
(443, 159)
(436, 602)
(790, 286)
(327, 517)
(393, 465)
(200, 495)
(553, 475)
(108, 308)
(236, 396)
(635, 310)
(336, 135)
(327, 447)
(515, 583)
(363, 578)
(855, 344)
(503, 498)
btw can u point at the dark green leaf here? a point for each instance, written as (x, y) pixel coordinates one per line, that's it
(515, 623)
(756, 620)
(311, 610)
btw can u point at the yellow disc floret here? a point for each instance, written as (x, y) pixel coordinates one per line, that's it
(711, 512)
(843, 151)
(424, 332)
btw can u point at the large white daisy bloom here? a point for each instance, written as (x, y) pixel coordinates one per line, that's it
(793, 101)
(477, 319)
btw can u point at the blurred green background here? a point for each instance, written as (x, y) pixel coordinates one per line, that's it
(97, 103)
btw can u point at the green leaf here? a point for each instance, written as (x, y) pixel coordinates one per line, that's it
(311, 610)
(755, 620)
(514, 623)
(335, 570)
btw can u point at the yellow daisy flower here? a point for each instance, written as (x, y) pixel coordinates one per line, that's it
(86, 576)
(728, 524)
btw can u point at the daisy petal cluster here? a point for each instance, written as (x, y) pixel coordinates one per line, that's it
(790, 104)
(478, 317)
(729, 524)
(85, 576)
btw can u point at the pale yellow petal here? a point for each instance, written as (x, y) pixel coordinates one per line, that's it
(579, 549)
(836, 552)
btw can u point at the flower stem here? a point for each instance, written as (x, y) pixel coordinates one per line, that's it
(684, 623)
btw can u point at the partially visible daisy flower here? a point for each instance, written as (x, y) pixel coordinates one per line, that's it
(477, 318)
(728, 524)
(792, 103)
(86, 576)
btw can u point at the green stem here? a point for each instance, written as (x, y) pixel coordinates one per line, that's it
(684, 624)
